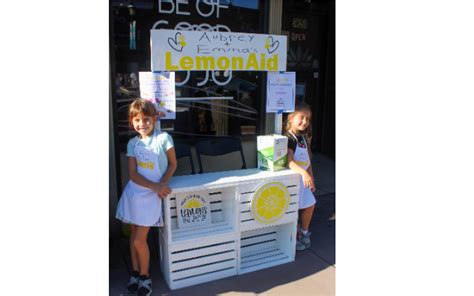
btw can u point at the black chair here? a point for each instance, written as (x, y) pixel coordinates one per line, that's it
(219, 146)
(184, 150)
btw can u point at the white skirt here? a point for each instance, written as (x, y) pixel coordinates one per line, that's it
(139, 206)
(307, 198)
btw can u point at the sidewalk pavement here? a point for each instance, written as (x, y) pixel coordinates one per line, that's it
(312, 272)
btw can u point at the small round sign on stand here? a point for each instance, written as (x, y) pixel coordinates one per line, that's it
(270, 202)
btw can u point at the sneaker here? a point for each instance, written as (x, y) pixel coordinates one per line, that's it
(306, 240)
(303, 242)
(300, 246)
(144, 286)
(132, 285)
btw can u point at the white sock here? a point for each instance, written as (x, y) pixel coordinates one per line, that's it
(304, 232)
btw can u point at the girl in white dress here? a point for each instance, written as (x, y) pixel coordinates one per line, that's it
(298, 125)
(151, 163)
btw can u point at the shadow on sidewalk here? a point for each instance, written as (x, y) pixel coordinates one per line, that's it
(306, 264)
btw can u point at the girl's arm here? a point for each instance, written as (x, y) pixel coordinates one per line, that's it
(162, 190)
(136, 177)
(310, 172)
(307, 178)
(172, 164)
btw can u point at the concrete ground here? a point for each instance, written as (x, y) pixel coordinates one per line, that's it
(312, 272)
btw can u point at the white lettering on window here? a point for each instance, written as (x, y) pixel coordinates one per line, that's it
(174, 7)
(215, 5)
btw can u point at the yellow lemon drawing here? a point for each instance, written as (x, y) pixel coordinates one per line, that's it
(193, 203)
(270, 202)
(182, 41)
(267, 43)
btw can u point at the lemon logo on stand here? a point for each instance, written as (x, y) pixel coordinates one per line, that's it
(193, 203)
(270, 202)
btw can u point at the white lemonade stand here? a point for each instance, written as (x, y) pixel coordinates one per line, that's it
(225, 223)
(253, 216)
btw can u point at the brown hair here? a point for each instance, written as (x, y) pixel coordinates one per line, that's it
(140, 106)
(308, 132)
(301, 107)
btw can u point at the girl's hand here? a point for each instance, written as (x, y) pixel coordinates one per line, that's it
(308, 181)
(162, 190)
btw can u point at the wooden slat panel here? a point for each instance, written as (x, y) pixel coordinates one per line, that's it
(173, 202)
(257, 239)
(294, 190)
(254, 248)
(260, 231)
(264, 255)
(183, 274)
(249, 259)
(294, 206)
(213, 257)
(196, 252)
(166, 216)
(294, 198)
(246, 216)
(202, 243)
(254, 224)
(212, 229)
(264, 263)
(217, 217)
(249, 187)
(174, 224)
(289, 181)
(245, 207)
(246, 197)
(247, 255)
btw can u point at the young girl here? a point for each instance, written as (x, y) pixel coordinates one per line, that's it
(297, 128)
(151, 163)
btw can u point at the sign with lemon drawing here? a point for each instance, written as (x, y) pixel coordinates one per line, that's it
(281, 91)
(174, 50)
(270, 202)
(159, 88)
(192, 210)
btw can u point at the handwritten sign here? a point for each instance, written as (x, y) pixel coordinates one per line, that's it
(173, 50)
(192, 210)
(281, 91)
(159, 88)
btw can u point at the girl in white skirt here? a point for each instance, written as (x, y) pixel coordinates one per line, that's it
(297, 126)
(151, 163)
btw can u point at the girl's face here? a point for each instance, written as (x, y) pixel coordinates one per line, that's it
(300, 121)
(143, 124)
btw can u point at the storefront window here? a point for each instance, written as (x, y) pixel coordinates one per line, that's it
(208, 103)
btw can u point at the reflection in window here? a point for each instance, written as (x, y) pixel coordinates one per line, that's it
(214, 103)
(252, 4)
